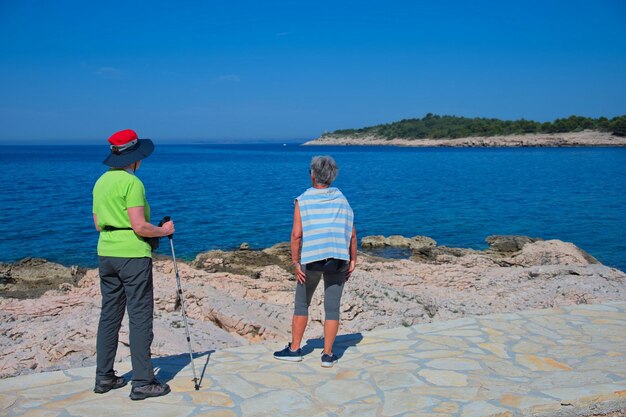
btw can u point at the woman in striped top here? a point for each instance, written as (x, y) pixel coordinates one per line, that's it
(323, 244)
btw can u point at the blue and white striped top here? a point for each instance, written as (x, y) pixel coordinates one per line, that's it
(327, 221)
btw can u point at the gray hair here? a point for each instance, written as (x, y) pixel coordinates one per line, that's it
(325, 169)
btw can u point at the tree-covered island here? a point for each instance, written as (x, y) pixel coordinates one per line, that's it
(433, 126)
(452, 131)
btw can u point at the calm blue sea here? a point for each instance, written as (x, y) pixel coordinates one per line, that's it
(222, 195)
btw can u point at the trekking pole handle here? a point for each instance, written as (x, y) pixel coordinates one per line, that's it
(165, 220)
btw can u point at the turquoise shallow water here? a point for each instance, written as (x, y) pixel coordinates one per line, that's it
(222, 195)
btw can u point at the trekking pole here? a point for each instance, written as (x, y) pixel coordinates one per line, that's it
(182, 308)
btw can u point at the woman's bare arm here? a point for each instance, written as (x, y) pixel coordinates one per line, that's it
(353, 251)
(296, 242)
(143, 228)
(95, 222)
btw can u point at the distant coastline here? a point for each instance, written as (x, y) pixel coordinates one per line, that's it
(585, 138)
(456, 131)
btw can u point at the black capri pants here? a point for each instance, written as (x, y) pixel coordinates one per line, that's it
(333, 289)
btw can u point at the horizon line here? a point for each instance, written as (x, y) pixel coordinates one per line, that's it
(160, 142)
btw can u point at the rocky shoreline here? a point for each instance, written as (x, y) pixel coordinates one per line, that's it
(242, 297)
(573, 139)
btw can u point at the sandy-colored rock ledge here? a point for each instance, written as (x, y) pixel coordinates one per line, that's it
(585, 138)
(246, 297)
(561, 362)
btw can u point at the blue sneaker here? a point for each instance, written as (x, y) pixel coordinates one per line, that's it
(328, 360)
(288, 355)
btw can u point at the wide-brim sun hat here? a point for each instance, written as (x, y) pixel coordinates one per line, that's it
(127, 148)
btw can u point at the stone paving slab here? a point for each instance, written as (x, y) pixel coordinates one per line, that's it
(557, 362)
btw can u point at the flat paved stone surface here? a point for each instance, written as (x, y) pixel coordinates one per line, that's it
(558, 362)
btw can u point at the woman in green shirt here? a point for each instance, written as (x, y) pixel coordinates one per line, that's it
(122, 216)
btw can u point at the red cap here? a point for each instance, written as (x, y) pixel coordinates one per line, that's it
(123, 137)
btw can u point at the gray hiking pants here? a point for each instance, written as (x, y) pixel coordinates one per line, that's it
(125, 283)
(333, 288)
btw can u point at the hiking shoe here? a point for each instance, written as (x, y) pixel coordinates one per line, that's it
(107, 384)
(154, 389)
(328, 360)
(288, 355)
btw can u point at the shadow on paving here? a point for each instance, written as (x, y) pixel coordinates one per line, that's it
(167, 367)
(342, 343)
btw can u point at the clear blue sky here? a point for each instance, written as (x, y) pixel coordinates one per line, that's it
(247, 70)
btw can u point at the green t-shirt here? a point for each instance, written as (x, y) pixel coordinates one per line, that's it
(114, 192)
